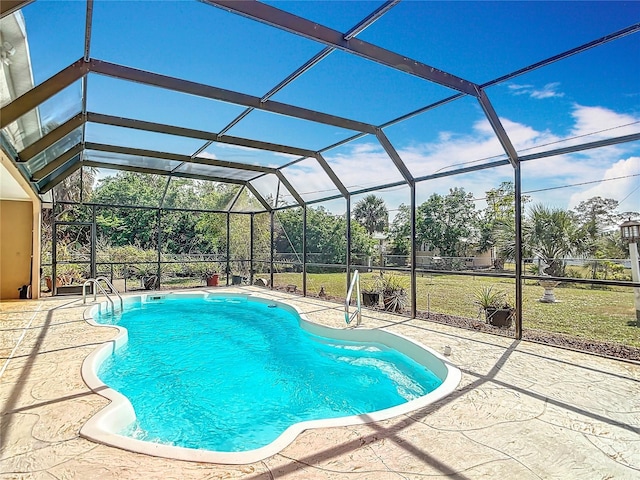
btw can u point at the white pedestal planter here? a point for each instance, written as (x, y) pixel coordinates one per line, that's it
(549, 296)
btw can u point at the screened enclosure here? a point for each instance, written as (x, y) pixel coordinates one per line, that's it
(457, 147)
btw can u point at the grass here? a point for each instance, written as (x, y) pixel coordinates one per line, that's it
(581, 311)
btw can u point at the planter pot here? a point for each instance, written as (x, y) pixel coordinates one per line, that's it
(49, 283)
(236, 280)
(549, 296)
(370, 299)
(213, 280)
(500, 317)
(75, 289)
(392, 303)
(60, 281)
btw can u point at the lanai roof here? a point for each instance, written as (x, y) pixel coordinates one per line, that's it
(270, 95)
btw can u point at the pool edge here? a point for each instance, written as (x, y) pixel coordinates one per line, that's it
(119, 412)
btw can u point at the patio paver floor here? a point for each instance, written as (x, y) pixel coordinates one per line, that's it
(522, 410)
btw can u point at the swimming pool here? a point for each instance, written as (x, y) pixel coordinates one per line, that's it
(222, 405)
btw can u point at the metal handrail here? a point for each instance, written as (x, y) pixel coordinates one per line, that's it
(112, 288)
(96, 283)
(96, 286)
(355, 281)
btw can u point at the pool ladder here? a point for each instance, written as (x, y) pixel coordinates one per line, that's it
(348, 318)
(97, 286)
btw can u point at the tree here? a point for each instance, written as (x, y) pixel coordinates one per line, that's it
(288, 232)
(76, 187)
(372, 213)
(326, 236)
(129, 226)
(212, 227)
(498, 216)
(551, 234)
(598, 219)
(548, 233)
(447, 223)
(400, 231)
(182, 232)
(598, 214)
(262, 241)
(73, 188)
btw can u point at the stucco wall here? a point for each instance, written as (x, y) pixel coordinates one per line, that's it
(16, 221)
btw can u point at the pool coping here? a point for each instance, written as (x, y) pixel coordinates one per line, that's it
(119, 412)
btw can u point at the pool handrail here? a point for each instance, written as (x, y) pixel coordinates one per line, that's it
(96, 283)
(355, 281)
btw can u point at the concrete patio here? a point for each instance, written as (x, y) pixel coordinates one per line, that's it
(521, 411)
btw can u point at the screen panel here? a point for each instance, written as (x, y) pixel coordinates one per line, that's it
(584, 98)
(452, 136)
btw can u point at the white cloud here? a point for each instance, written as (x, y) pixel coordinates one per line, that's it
(445, 136)
(366, 164)
(208, 155)
(598, 123)
(229, 146)
(621, 182)
(309, 180)
(363, 166)
(519, 89)
(591, 124)
(550, 90)
(239, 153)
(528, 140)
(429, 158)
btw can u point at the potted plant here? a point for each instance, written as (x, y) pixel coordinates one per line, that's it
(148, 274)
(209, 273)
(212, 279)
(394, 292)
(370, 293)
(497, 310)
(66, 274)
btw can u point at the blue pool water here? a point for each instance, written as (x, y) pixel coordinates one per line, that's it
(232, 374)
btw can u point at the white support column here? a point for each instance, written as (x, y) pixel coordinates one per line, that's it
(635, 276)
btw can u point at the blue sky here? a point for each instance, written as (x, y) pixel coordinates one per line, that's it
(591, 96)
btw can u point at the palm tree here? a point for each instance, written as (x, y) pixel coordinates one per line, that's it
(551, 234)
(372, 213)
(547, 233)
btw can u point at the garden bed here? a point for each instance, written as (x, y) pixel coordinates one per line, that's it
(605, 349)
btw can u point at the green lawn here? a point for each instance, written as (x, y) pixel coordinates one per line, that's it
(581, 311)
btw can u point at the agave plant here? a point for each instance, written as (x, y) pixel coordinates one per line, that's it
(496, 307)
(394, 292)
(488, 297)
